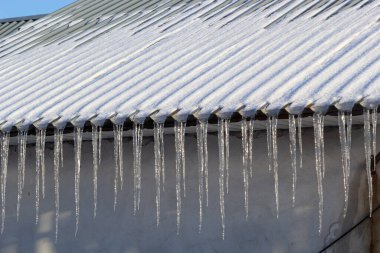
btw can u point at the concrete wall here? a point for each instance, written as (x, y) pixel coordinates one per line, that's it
(296, 230)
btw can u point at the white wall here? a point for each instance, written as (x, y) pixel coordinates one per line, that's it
(296, 230)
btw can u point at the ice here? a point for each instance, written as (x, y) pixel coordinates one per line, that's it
(179, 134)
(78, 135)
(118, 156)
(318, 132)
(345, 122)
(245, 160)
(370, 123)
(58, 146)
(159, 164)
(22, 138)
(137, 145)
(293, 154)
(4, 172)
(202, 167)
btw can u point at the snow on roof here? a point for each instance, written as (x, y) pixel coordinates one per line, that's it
(137, 59)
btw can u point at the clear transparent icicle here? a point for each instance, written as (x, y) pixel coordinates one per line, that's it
(22, 138)
(250, 146)
(137, 146)
(159, 164)
(78, 134)
(227, 151)
(58, 146)
(274, 161)
(370, 124)
(318, 139)
(40, 167)
(179, 136)
(299, 121)
(345, 122)
(245, 158)
(269, 143)
(293, 154)
(202, 167)
(96, 145)
(4, 172)
(118, 156)
(222, 160)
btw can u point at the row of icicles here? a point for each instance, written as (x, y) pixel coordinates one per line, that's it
(247, 129)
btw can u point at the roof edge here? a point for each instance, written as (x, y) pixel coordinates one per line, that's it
(22, 18)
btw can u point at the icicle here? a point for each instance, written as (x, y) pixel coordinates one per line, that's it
(370, 124)
(159, 164)
(179, 147)
(78, 133)
(162, 153)
(222, 160)
(374, 125)
(40, 167)
(58, 146)
(96, 140)
(182, 151)
(202, 167)
(100, 145)
(275, 160)
(318, 126)
(137, 145)
(345, 122)
(22, 138)
(269, 143)
(205, 150)
(245, 158)
(4, 172)
(293, 153)
(118, 155)
(227, 151)
(250, 146)
(300, 139)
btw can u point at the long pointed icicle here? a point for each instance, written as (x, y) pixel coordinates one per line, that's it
(250, 146)
(137, 145)
(370, 124)
(96, 145)
(40, 167)
(293, 154)
(299, 121)
(22, 138)
(269, 143)
(58, 146)
(4, 172)
(179, 135)
(245, 158)
(275, 161)
(202, 165)
(227, 151)
(182, 150)
(38, 171)
(345, 121)
(78, 152)
(118, 156)
(318, 139)
(158, 165)
(222, 160)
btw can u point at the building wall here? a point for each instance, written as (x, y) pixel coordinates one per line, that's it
(296, 230)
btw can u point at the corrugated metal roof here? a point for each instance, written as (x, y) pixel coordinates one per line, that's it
(116, 59)
(11, 25)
